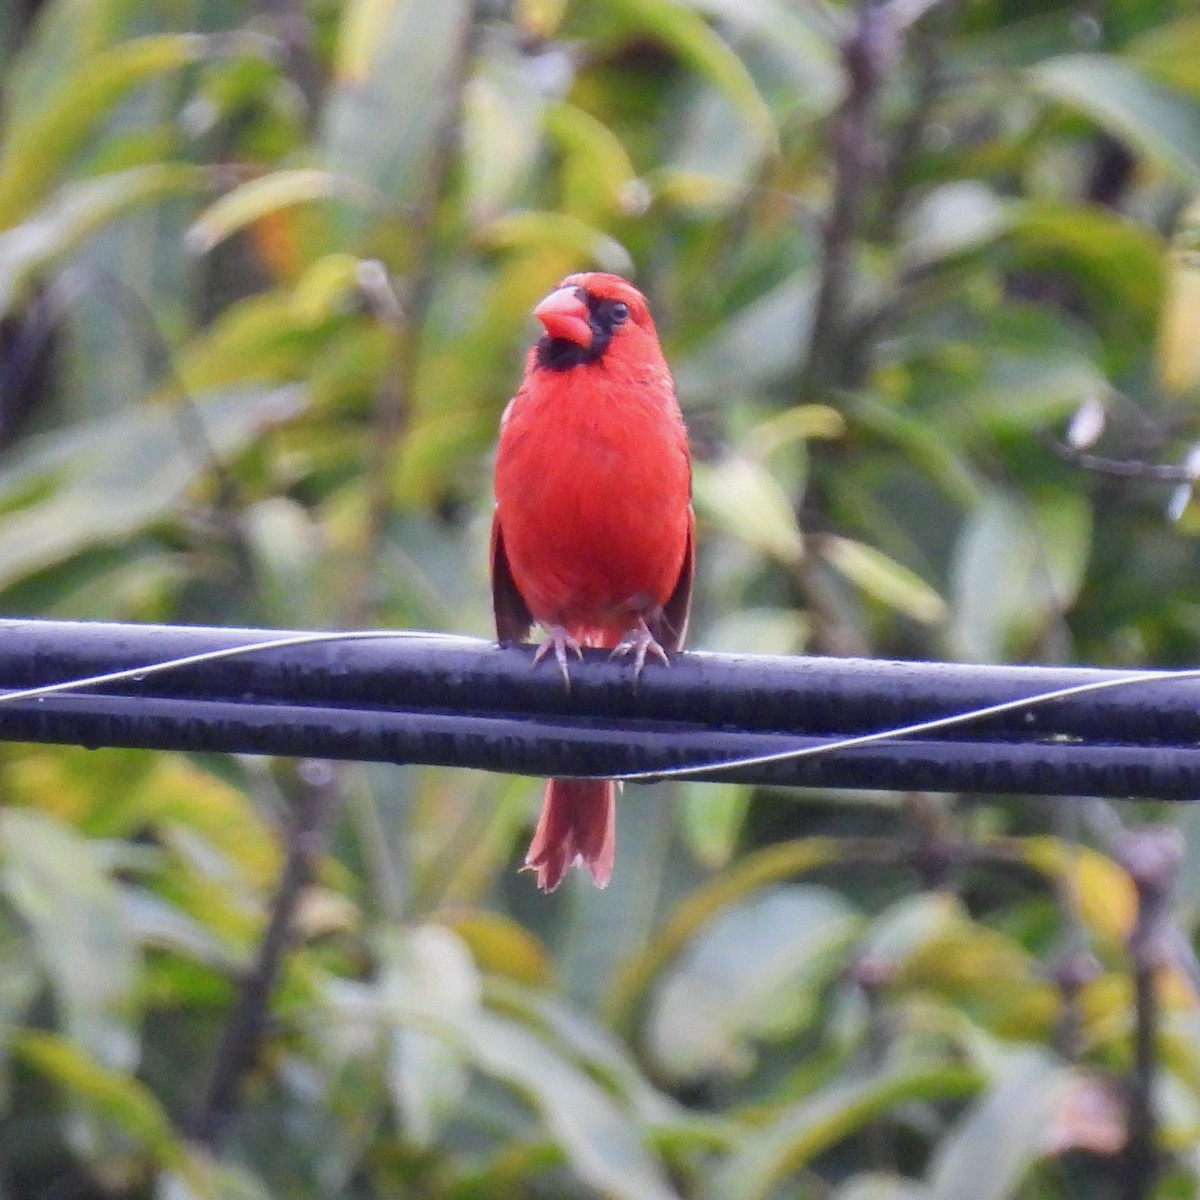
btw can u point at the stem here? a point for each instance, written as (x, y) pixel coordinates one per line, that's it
(1152, 858)
(836, 356)
(1121, 468)
(925, 47)
(1075, 965)
(866, 55)
(238, 1050)
(294, 29)
(320, 781)
(1141, 1159)
(406, 321)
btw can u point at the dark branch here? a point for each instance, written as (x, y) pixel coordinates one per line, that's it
(238, 1049)
(1122, 468)
(1152, 857)
(868, 55)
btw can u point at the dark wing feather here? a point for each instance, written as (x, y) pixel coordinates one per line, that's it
(671, 626)
(513, 618)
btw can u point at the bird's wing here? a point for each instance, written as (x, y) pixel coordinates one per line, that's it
(513, 618)
(671, 627)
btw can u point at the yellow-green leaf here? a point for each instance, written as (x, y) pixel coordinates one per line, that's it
(1161, 123)
(598, 176)
(771, 1153)
(76, 212)
(40, 147)
(501, 133)
(326, 285)
(1178, 348)
(754, 871)
(883, 578)
(113, 1095)
(80, 931)
(258, 198)
(522, 230)
(742, 498)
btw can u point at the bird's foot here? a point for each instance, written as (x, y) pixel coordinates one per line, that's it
(559, 641)
(639, 642)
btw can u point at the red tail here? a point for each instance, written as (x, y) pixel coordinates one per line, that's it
(578, 823)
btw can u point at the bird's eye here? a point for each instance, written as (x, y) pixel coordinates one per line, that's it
(619, 311)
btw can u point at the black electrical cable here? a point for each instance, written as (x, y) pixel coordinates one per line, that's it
(538, 746)
(465, 702)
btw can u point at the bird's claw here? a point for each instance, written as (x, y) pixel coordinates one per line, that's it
(559, 641)
(639, 642)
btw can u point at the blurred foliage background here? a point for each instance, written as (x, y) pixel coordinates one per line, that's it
(265, 276)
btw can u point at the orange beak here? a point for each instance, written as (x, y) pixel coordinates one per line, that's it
(565, 315)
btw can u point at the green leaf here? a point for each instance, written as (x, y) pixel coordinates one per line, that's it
(601, 1142)
(501, 134)
(112, 1095)
(329, 285)
(396, 80)
(742, 498)
(800, 423)
(206, 1179)
(712, 818)
(705, 904)
(602, 1145)
(1017, 567)
(75, 213)
(598, 177)
(909, 925)
(678, 27)
(923, 443)
(712, 161)
(795, 42)
(767, 1155)
(754, 972)
(364, 28)
(81, 933)
(754, 346)
(262, 339)
(1178, 345)
(156, 922)
(883, 578)
(20, 985)
(1160, 123)
(991, 1150)
(1022, 380)
(595, 1046)
(427, 968)
(65, 34)
(952, 219)
(1117, 262)
(105, 479)
(1171, 53)
(522, 230)
(258, 198)
(39, 147)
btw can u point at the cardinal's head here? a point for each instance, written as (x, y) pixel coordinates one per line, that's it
(586, 315)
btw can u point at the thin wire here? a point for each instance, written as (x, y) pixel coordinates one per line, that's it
(136, 674)
(901, 731)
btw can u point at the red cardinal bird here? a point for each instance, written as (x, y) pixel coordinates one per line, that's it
(593, 535)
